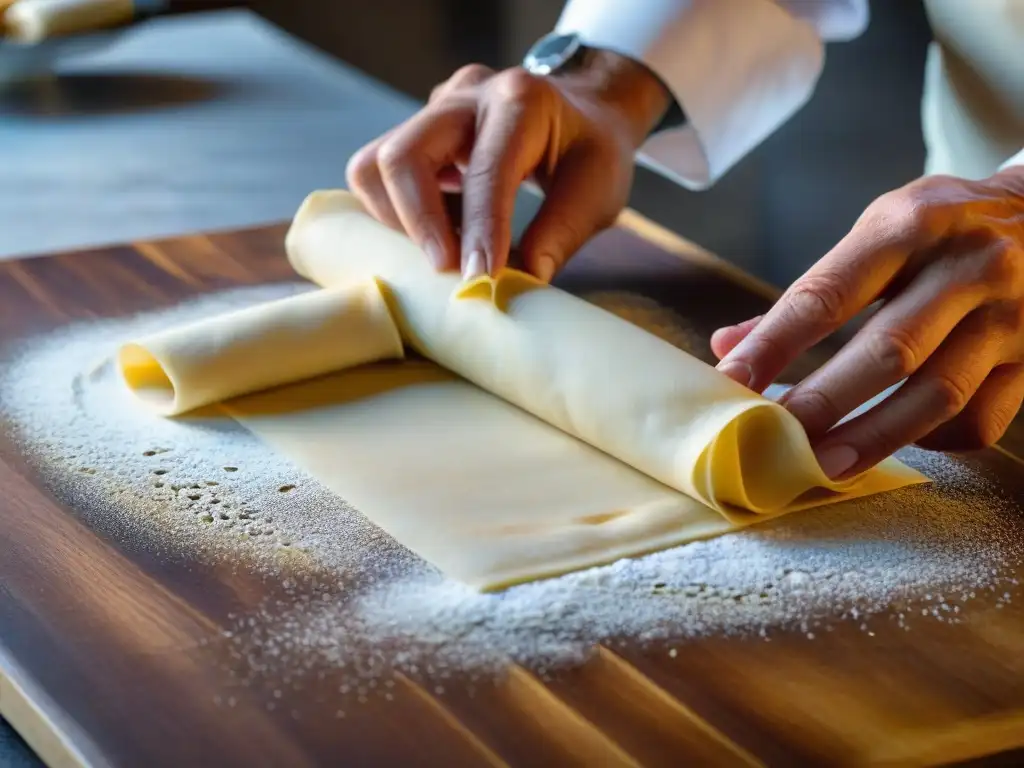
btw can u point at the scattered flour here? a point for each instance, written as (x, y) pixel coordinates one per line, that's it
(196, 487)
(920, 553)
(201, 487)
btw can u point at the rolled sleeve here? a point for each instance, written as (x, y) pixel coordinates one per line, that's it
(1013, 162)
(738, 68)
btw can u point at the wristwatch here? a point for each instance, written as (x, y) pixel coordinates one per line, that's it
(557, 52)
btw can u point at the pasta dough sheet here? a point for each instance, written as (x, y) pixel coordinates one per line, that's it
(577, 367)
(483, 490)
(539, 435)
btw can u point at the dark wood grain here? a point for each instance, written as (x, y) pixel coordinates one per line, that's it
(120, 647)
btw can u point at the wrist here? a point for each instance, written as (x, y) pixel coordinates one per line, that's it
(622, 85)
(1011, 179)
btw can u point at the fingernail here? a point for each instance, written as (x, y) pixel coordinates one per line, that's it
(474, 265)
(435, 254)
(738, 372)
(545, 269)
(837, 460)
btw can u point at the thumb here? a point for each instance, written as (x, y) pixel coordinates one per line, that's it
(577, 206)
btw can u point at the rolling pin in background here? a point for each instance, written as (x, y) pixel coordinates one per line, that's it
(32, 21)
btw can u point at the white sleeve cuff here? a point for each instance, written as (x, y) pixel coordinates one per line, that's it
(738, 68)
(1016, 160)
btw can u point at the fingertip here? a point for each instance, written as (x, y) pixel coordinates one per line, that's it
(486, 241)
(544, 267)
(543, 253)
(757, 361)
(836, 461)
(498, 260)
(474, 265)
(738, 371)
(361, 166)
(437, 255)
(724, 340)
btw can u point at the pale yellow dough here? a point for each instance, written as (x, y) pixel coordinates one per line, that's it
(652, 447)
(280, 342)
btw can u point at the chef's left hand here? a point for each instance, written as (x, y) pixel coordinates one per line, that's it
(944, 257)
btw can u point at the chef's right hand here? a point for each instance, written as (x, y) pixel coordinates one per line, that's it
(483, 133)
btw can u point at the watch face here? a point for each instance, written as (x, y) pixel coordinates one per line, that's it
(551, 53)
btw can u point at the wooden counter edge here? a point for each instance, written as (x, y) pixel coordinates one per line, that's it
(26, 715)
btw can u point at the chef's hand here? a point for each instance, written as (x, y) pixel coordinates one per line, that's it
(945, 259)
(483, 133)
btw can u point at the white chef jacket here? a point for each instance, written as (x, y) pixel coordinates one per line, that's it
(741, 68)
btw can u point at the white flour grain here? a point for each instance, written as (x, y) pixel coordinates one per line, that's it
(204, 488)
(920, 553)
(199, 486)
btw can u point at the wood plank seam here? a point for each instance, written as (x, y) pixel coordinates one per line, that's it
(963, 741)
(535, 698)
(742, 756)
(152, 253)
(34, 289)
(649, 230)
(452, 721)
(1012, 456)
(683, 248)
(241, 266)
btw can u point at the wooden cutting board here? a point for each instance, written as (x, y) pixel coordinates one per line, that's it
(114, 654)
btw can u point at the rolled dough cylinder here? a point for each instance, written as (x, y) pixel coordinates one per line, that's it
(281, 342)
(581, 369)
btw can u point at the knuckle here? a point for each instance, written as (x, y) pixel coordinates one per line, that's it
(470, 74)
(517, 86)
(361, 169)
(895, 352)
(818, 301)
(910, 211)
(882, 440)
(438, 91)
(467, 76)
(950, 392)
(1001, 266)
(1011, 317)
(487, 222)
(932, 185)
(902, 213)
(392, 156)
(482, 174)
(607, 218)
(973, 430)
(814, 408)
(568, 234)
(989, 426)
(426, 224)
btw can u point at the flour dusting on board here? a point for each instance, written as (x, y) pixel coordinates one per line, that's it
(202, 489)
